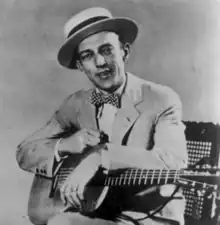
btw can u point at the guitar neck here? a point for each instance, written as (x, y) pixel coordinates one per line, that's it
(146, 177)
(141, 177)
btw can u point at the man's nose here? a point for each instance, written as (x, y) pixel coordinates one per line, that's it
(100, 60)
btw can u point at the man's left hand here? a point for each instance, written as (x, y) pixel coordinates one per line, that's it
(167, 190)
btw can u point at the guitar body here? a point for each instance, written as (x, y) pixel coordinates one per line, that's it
(124, 178)
(42, 205)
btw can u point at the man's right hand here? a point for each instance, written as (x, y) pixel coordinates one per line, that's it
(78, 141)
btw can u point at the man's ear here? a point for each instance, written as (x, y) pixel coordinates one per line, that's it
(79, 65)
(127, 51)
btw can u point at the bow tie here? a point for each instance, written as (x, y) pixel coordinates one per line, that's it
(99, 99)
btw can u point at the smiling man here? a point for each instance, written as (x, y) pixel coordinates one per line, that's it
(101, 58)
(130, 120)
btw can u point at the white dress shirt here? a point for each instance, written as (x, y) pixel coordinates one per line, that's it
(106, 114)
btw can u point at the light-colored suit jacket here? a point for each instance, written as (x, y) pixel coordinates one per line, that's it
(149, 119)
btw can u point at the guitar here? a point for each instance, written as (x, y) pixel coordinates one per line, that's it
(44, 200)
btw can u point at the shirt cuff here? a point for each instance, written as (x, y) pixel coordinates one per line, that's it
(56, 153)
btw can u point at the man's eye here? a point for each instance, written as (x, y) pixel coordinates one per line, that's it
(86, 56)
(106, 51)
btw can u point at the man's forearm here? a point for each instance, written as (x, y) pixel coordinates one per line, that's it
(36, 153)
(129, 156)
(36, 156)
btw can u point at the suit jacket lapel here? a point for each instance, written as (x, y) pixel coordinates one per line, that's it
(128, 113)
(124, 119)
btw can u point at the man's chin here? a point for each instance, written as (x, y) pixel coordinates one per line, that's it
(108, 85)
(108, 88)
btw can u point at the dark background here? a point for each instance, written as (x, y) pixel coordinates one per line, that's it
(178, 45)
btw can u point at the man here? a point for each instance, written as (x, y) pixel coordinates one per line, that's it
(137, 116)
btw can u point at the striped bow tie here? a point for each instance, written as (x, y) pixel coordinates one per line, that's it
(99, 99)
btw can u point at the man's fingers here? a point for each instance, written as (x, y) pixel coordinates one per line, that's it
(90, 140)
(62, 195)
(167, 190)
(68, 195)
(93, 141)
(94, 133)
(74, 199)
(72, 196)
(80, 192)
(80, 195)
(63, 198)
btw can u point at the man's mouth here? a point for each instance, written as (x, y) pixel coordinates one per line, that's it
(105, 74)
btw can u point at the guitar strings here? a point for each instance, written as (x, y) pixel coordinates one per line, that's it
(155, 174)
(138, 174)
(134, 181)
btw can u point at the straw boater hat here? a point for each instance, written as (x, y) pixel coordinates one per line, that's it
(91, 21)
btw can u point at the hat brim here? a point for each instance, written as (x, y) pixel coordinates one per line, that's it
(126, 28)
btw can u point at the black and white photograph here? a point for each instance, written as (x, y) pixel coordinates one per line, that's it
(110, 112)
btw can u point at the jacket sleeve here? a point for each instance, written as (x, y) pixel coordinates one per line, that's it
(36, 153)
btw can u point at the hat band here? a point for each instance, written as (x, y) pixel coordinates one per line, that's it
(85, 23)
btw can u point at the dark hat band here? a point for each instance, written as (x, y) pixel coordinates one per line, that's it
(85, 23)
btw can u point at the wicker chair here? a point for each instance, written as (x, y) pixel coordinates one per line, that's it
(203, 142)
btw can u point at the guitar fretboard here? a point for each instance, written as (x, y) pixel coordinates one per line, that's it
(128, 177)
(136, 177)
(143, 177)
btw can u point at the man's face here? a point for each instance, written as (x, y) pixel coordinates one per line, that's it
(101, 58)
